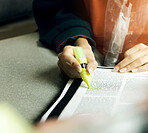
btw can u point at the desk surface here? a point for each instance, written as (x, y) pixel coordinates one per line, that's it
(29, 76)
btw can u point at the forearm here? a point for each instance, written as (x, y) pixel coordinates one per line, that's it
(58, 22)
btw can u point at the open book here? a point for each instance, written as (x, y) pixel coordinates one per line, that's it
(111, 92)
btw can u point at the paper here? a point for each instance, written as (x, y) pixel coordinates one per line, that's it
(45, 116)
(118, 92)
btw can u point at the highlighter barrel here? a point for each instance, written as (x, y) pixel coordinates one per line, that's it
(86, 77)
(81, 58)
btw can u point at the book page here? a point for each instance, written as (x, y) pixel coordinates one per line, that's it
(110, 92)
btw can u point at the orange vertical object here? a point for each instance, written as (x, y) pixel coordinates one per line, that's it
(138, 28)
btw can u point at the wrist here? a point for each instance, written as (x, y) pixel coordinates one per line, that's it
(82, 42)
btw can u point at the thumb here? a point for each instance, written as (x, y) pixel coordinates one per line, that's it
(91, 66)
(91, 62)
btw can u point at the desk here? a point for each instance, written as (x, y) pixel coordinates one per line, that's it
(29, 76)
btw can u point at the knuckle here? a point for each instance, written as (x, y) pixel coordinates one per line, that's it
(67, 47)
(131, 57)
(64, 55)
(64, 48)
(140, 61)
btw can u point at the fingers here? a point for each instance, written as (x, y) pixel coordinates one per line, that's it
(91, 62)
(135, 60)
(67, 56)
(68, 63)
(135, 49)
(134, 66)
(70, 66)
(68, 70)
(91, 67)
(143, 68)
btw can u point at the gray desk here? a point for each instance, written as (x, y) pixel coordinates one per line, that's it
(29, 76)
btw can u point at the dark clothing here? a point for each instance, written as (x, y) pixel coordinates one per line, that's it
(61, 22)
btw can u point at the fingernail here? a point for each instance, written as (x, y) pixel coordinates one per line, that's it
(134, 70)
(123, 70)
(116, 69)
(90, 70)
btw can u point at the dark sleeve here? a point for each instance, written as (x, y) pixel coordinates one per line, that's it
(60, 22)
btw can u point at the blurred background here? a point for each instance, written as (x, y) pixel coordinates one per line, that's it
(29, 76)
(16, 18)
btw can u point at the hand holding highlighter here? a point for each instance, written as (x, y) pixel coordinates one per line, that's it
(81, 58)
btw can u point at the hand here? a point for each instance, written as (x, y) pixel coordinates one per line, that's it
(68, 63)
(136, 60)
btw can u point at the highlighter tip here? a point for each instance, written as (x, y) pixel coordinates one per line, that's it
(86, 77)
(88, 86)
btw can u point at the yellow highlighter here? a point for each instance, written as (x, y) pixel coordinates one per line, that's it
(81, 58)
